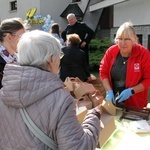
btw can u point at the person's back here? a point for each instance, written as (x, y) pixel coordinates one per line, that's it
(73, 63)
(34, 85)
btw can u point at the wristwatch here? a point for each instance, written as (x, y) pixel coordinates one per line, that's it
(132, 91)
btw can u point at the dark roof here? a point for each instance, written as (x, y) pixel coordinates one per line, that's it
(72, 8)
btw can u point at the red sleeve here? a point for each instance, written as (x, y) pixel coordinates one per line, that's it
(107, 62)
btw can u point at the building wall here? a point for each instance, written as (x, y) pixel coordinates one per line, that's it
(44, 7)
(144, 31)
(54, 8)
(136, 11)
(23, 6)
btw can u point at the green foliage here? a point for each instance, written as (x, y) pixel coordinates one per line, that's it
(97, 48)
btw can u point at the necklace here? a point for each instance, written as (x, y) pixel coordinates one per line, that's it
(125, 59)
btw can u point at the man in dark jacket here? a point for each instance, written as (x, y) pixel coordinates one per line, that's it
(85, 33)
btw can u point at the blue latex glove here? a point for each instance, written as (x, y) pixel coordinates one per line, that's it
(110, 95)
(124, 95)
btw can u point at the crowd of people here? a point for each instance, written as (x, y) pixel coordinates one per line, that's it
(31, 86)
(33, 67)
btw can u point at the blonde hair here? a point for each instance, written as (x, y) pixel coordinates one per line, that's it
(126, 30)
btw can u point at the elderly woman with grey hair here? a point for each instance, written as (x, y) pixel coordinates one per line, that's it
(35, 86)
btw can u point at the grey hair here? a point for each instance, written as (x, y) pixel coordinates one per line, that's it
(36, 47)
(71, 15)
(126, 30)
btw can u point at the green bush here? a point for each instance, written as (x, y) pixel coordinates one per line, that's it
(97, 48)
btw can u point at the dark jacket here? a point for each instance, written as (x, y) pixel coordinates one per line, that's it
(73, 64)
(85, 33)
(2, 65)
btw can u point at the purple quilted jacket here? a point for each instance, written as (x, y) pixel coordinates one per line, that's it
(50, 107)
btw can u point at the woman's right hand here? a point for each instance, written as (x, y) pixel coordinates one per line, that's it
(110, 95)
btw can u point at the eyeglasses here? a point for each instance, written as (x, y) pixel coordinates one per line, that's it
(19, 36)
(126, 40)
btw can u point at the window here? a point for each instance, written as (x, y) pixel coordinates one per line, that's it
(73, 1)
(13, 5)
(139, 38)
(148, 43)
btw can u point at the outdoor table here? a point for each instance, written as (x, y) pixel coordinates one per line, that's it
(125, 139)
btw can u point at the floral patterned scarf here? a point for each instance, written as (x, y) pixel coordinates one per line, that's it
(6, 56)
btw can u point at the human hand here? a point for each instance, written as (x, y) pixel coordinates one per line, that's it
(124, 95)
(83, 44)
(97, 111)
(99, 108)
(110, 95)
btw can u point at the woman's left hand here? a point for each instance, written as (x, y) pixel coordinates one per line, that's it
(124, 95)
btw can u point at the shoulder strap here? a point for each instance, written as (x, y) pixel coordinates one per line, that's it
(36, 131)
